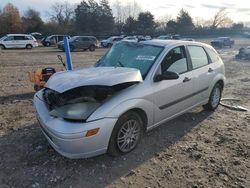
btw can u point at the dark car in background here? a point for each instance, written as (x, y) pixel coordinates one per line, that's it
(221, 42)
(244, 53)
(169, 37)
(52, 39)
(80, 42)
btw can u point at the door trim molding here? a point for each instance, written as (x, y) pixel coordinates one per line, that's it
(182, 99)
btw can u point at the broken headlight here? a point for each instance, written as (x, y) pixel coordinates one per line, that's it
(77, 111)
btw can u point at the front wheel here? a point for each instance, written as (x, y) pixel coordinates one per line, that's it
(126, 134)
(47, 44)
(214, 99)
(2, 47)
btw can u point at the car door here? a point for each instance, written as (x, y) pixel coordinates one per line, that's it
(9, 42)
(76, 42)
(20, 41)
(53, 40)
(203, 71)
(172, 97)
(85, 42)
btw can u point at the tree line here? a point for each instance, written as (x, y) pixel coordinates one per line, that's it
(100, 18)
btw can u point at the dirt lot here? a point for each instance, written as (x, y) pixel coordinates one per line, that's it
(198, 149)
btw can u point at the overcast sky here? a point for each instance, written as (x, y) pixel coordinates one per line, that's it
(239, 10)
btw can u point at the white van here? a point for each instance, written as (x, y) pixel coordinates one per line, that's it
(18, 41)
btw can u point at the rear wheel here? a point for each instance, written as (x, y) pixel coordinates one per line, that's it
(214, 99)
(92, 48)
(126, 134)
(29, 46)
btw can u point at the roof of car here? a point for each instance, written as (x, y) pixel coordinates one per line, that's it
(17, 34)
(165, 43)
(86, 36)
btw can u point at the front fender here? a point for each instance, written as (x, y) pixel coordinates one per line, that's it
(117, 110)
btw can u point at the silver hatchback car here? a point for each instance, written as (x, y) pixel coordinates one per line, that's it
(133, 88)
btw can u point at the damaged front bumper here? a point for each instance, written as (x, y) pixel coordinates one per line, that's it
(69, 138)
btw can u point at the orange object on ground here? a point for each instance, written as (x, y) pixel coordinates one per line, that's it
(40, 77)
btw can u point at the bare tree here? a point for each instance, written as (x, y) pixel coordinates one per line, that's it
(221, 19)
(132, 9)
(162, 22)
(123, 11)
(117, 11)
(62, 13)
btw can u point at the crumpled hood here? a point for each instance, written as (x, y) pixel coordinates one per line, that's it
(104, 76)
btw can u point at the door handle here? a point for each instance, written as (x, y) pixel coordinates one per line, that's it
(186, 79)
(210, 70)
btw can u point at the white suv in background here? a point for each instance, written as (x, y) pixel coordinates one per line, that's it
(18, 41)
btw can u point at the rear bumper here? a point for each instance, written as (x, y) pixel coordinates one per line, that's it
(35, 44)
(69, 138)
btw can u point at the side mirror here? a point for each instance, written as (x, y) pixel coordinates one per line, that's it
(168, 75)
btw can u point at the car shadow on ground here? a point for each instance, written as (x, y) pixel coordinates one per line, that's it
(27, 160)
(11, 98)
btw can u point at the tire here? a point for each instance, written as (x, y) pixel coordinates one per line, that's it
(126, 134)
(72, 48)
(214, 98)
(29, 46)
(92, 48)
(109, 45)
(47, 44)
(2, 47)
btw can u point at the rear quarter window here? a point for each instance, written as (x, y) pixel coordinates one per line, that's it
(29, 38)
(213, 55)
(198, 56)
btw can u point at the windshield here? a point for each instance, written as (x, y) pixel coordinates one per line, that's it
(2, 38)
(131, 55)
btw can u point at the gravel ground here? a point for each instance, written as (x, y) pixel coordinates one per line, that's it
(197, 149)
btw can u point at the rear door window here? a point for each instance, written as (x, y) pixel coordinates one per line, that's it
(85, 39)
(19, 37)
(60, 38)
(198, 56)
